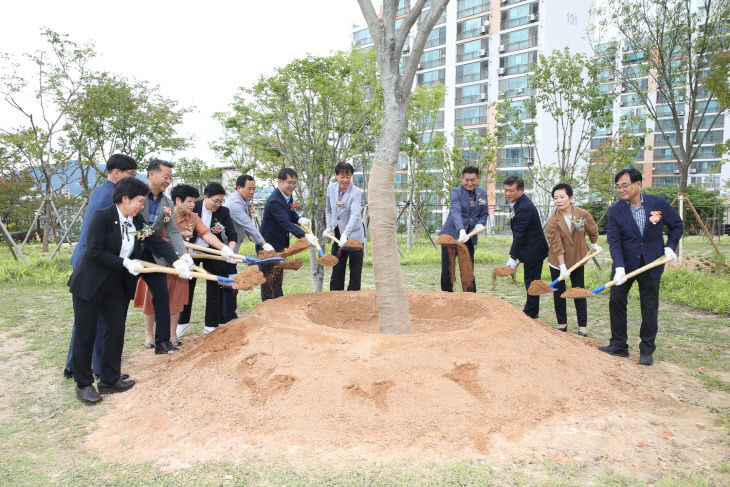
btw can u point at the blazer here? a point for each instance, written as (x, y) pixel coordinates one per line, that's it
(464, 216)
(222, 216)
(242, 222)
(628, 246)
(528, 240)
(346, 217)
(100, 198)
(570, 243)
(279, 221)
(173, 233)
(101, 258)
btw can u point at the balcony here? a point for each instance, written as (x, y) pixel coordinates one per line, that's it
(433, 63)
(519, 45)
(516, 22)
(467, 8)
(516, 92)
(469, 99)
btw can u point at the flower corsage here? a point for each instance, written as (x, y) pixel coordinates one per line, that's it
(144, 232)
(251, 212)
(482, 202)
(579, 223)
(294, 207)
(217, 228)
(655, 217)
(168, 214)
(511, 215)
(340, 204)
(188, 232)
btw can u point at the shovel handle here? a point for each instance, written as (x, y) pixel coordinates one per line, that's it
(660, 261)
(213, 251)
(149, 267)
(585, 259)
(308, 229)
(332, 236)
(474, 232)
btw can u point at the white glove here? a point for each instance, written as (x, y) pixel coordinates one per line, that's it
(511, 263)
(268, 247)
(564, 271)
(596, 247)
(132, 266)
(668, 252)
(303, 221)
(343, 238)
(181, 265)
(327, 232)
(188, 259)
(619, 276)
(478, 227)
(227, 252)
(311, 239)
(462, 236)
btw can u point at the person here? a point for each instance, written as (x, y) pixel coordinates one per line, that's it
(188, 222)
(529, 245)
(218, 219)
(239, 204)
(342, 214)
(117, 167)
(281, 219)
(635, 239)
(100, 285)
(566, 231)
(468, 210)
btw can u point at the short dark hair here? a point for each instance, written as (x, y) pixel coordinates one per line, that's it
(470, 170)
(122, 162)
(633, 173)
(184, 191)
(129, 186)
(156, 165)
(345, 167)
(242, 179)
(513, 179)
(568, 189)
(213, 189)
(287, 172)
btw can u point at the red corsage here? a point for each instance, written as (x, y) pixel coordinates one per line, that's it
(294, 207)
(217, 228)
(168, 214)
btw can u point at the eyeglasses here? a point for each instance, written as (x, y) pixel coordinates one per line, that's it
(216, 202)
(130, 172)
(621, 187)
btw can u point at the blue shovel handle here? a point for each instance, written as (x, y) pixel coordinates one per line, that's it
(269, 260)
(598, 289)
(320, 252)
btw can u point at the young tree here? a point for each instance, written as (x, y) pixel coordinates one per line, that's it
(672, 42)
(196, 172)
(394, 314)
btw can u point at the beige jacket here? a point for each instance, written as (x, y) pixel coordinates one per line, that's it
(569, 243)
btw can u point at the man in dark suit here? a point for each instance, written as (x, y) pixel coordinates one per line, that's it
(635, 239)
(280, 219)
(117, 167)
(100, 286)
(529, 245)
(468, 211)
(218, 219)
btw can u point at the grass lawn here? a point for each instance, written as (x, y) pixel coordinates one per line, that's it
(43, 426)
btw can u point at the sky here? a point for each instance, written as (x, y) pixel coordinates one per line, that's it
(199, 53)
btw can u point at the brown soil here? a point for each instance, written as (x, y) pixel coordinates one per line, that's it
(502, 270)
(328, 260)
(309, 377)
(248, 279)
(291, 264)
(353, 243)
(446, 240)
(296, 247)
(265, 254)
(466, 270)
(539, 287)
(577, 292)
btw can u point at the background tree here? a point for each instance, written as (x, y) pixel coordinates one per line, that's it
(19, 196)
(672, 42)
(196, 172)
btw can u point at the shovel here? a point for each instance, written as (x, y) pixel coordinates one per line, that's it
(218, 255)
(538, 287)
(449, 240)
(149, 267)
(584, 293)
(325, 260)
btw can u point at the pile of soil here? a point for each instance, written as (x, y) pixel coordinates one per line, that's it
(327, 260)
(296, 247)
(248, 279)
(309, 378)
(537, 287)
(577, 292)
(291, 264)
(353, 243)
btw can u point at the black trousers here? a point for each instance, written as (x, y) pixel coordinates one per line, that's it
(111, 303)
(157, 282)
(213, 316)
(581, 306)
(532, 271)
(649, 302)
(446, 284)
(228, 297)
(355, 256)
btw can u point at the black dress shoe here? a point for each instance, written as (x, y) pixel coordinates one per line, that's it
(122, 376)
(613, 350)
(119, 386)
(646, 359)
(164, 347)
(67, 374)
(87, 394)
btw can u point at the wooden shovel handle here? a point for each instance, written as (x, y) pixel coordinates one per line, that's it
(149, 267)
(213, 251)
(660, 261)
(332, 236)
(201, 255)
(308, 229)
(585, 259)
(474, 232)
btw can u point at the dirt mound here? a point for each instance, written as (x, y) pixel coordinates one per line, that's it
(310, 376)
(577, 292)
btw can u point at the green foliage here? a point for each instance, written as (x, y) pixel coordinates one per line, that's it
(196, 172)
(700, 291)
(707, 203)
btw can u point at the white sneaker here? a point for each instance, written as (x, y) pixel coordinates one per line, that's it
(208, 329)
(183, 328)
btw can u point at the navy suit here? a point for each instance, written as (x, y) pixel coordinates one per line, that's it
(631, 249)
(278, 222)
(529, 246)
(462, 216)
(100, 198)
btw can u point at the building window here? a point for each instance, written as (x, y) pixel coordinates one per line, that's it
(515, 17)
(467, 51)
(514, 87)
(471, 72)
(403, 7)
(477, 26)
(432, 77)
(471, 94)
(664, 181)
(515, 157)
(362, 37)
(437, 37)
(402, 162)
(518, 40)
(433, 59)
(401, 180)
(517, 63)
(474, 115)
(467, 8)
(468, 137)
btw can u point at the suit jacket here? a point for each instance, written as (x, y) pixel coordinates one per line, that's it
(570, 243)
(279, 221)
(346, 217)
(100, 198)
(101, 258)
(528, 240)
(464, 216)
(628, 246)
(173, 233)
(242, 222)
(222, 216)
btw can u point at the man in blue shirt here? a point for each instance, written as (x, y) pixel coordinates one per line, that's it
(117, 167)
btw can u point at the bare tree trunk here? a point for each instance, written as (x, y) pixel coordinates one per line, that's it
(47, 216)
(409, 216)
(316, 271)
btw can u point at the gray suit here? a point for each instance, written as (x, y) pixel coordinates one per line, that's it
(347, 216)
(173, 233)
(239, 209)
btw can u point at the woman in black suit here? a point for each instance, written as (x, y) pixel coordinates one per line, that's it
(104, 282)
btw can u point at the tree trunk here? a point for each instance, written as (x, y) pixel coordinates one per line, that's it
(316, 271)
(409, 216)
(46, 215)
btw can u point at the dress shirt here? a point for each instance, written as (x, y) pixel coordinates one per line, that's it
(126, 226)
(206, 216)
(639, 215)
(154, 206)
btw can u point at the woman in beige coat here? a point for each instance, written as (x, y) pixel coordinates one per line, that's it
(566, 234)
